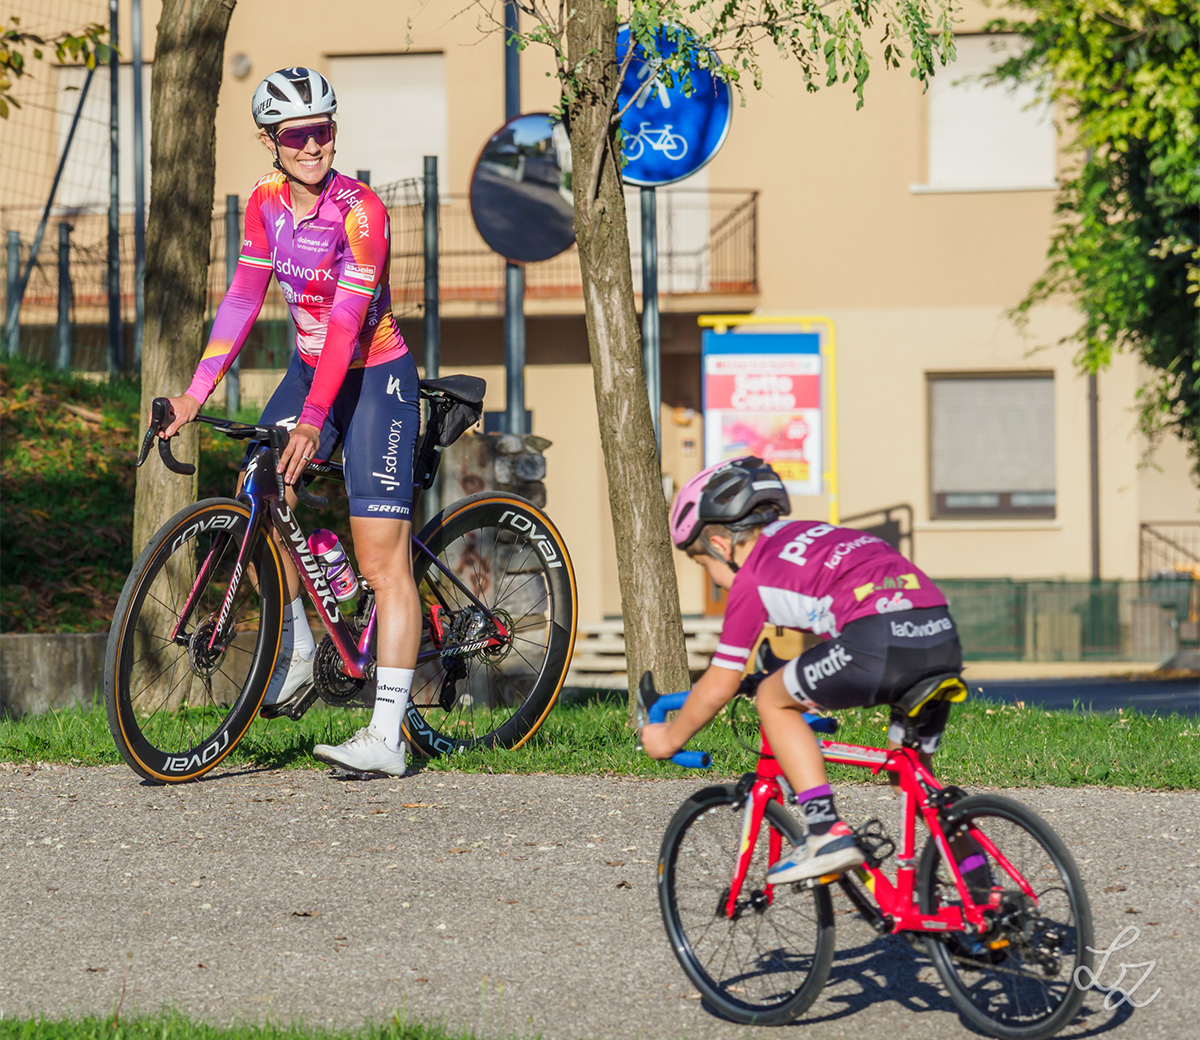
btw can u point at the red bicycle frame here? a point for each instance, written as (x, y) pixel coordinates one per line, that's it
(896, 903)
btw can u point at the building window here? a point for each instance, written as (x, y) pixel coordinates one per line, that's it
(991, 446)
(391, 114)
(985, 137)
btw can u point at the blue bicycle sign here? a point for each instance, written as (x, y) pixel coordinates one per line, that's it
(668, 135)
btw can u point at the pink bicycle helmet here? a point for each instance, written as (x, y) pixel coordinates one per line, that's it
(742, 492)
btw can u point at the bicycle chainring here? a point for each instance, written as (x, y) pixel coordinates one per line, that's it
(332, 684)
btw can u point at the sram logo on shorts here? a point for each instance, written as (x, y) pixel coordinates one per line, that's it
(832, 663)
(544, 542)
(911, 630)
(384, 507)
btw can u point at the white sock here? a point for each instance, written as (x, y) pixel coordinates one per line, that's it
(391, 701)
(296, 632)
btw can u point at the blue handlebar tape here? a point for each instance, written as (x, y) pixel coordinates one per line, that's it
(821, 723)
(667, 702)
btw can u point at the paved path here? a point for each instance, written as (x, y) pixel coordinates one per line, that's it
(1165, 696)
(506, 905)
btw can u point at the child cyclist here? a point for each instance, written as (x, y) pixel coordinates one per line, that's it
(885, 624)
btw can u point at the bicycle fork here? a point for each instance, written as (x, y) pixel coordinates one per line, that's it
(761, 791)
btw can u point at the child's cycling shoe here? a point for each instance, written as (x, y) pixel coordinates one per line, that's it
(365, 752)
(830, 853)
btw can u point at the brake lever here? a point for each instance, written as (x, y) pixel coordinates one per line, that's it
(161, 416)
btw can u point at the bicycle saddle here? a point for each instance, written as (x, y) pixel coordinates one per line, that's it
(945, 687)
(467, 389)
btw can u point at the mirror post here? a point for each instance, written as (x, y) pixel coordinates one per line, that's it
(514, 274)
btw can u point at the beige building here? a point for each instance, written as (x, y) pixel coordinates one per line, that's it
(912, 224)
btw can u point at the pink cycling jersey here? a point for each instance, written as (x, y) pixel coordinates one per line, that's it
(817, 578)
(332, 266)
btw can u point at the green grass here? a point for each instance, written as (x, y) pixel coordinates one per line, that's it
(170, 1026)
(67, 491)
(986, 745)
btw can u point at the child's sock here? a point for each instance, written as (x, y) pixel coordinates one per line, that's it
(819, 812)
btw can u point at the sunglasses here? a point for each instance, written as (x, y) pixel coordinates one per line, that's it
(297, 136)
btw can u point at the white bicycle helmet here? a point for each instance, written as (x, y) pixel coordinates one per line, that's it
(290, 94)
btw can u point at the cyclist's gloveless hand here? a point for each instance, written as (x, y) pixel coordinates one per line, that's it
(656, 740)
(301, 446)
(186, 408)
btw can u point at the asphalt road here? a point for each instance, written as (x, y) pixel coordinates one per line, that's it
(1146, 695)
(505, 905)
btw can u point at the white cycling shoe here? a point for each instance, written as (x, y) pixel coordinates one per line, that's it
(292, 677)
(365, 752)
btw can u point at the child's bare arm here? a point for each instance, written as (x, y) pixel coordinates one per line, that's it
(713, 690)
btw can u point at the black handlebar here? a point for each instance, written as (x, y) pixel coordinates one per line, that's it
(162, 415)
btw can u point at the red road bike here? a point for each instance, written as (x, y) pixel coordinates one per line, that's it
(1008, 948)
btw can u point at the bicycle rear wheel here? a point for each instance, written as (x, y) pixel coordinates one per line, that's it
(767, 963)
(176, 704)
(515, 563)
(1017, 981)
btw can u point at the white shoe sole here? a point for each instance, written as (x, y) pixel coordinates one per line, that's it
(833, 863)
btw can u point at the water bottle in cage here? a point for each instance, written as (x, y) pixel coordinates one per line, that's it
(326, 547)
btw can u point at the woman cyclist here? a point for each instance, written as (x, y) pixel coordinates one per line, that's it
(351, 383)
(885, 624)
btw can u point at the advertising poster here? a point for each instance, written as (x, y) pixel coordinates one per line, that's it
(762, 396)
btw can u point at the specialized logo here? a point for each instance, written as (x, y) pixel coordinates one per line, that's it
(832, 663)
(393, 387)
(794, 551)
(313, 571)
(391, 456)
(893, 603)
(911, 630)
(465, 648)
(900, 581)
(279, 222)
(544, 543)
(844, 549)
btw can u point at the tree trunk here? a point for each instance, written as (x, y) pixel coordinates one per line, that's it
(189, 56)
(649, 591)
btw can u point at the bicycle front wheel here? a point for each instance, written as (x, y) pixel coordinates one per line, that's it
(768, 962)
(184, 677)
(513, 587)
(1018, 980)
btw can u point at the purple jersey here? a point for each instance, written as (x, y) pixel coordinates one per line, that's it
(817, 578)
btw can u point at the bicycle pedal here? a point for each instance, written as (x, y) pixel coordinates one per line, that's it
(817, 882)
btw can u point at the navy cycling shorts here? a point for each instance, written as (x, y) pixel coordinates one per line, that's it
(375, 420)
(876, 660)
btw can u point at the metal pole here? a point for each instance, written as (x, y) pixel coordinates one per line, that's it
(650, 325)
(364, 176)
(63, 362)
(1094, 465)
(139, 193)
(514, 274)
(14, 304)
(433, 326)
(11, 296)
(114, 199)
(233, 241)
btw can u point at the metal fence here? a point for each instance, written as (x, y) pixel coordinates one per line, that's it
(707, 246)
(1169, 550)
(1075, 621)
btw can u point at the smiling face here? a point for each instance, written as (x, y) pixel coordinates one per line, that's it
(308, 163)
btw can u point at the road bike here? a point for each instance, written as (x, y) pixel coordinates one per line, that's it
(199, 626)
(1008, 943)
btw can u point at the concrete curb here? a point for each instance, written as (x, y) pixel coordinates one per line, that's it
(40, 671)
